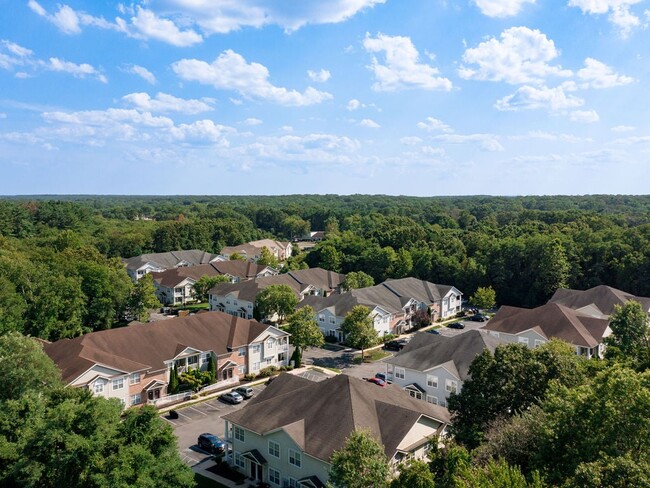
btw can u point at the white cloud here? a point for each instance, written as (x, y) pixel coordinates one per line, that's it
(16, 55)
(68, 20)
(201, 131)
(77, 70)
(252, 121)
(487, 142)
(17, 50)
(402, 68)
(501, 8)
(230, 71)
(354, 104)
(369, 123)
(146, 24)
(315, 148)
(410, 140)
(619, 12)
(320, 76)
(112, 115)
(167, 103)
(228, 15)
(598, 75)
(432, 151)
(143, 73)
(623, 128)
(584, 116)
(286, 128)
(549, 136)
(530, 97)
(522, 55)
(434, 125)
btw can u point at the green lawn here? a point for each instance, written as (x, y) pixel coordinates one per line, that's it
(203, 482)
(195, 306)
(372, 356)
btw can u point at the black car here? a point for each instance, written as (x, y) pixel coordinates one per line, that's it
(479, 317)
(433, 331)
(456, 325)
(396, 345)
(211, 443)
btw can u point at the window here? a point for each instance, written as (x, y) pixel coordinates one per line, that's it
(274, 449)
(238, 433)
(256, 366)
(250, 305)
(523, 340)
(292, 483)
(234, 302)
(399, 373)
(321, 318)
(136, 399)
(443, 403)
(432, 381)
(241, 369)
(295, 458)
(451, 385)
(257, 348)
(332, 320)
(270, 342)
(538, 342)
(432, 399)
(134, 379)
(268, 361)
(239, 461)
(227, 302)
(205, 357)
(242, 351)
(192, 360)
(98, 387)
(274, 476)
(178, 290)
(118, 384)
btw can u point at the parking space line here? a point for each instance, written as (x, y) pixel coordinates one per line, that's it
(197, 410)
(184, 416)
(168, 420)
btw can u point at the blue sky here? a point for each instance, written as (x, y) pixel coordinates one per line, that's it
(415, 97)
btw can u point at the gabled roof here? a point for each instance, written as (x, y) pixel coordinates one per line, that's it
(242, 269)
(324, 414)
(421, 290)
(603, 297)
(298, 281)
(147, 346)
(553, 321)
(426, 351)
(167, 260)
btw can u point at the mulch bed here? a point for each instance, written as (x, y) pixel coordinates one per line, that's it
(225, 471)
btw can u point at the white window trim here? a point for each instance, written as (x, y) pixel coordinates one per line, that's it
(434, 379)
(277, 445)
(298, 458)
(133, 377)
(238, 433)
(117, 381)
(399, 373)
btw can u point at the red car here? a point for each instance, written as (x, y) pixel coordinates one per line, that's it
(376, 381)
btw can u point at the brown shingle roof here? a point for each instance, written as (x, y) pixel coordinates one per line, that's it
(603, 297)
(242, 269)
(167, 260)
(552, 320)
(324, 414)
(147, 346)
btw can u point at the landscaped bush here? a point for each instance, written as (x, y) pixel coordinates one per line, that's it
(266, 372)
(249, 377)
(388, 337)
(330, 339)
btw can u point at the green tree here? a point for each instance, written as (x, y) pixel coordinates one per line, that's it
(484, 297)
(12, 307)
(508, 382)
(276, 299)
(237, 257)
(357, 279)
(25, 367)
(205, 283)
(294, 226)
(267, 258)
(143, 299)
(612, 472)
(212, 368)
(415, 474)
(360, 463)
(172, 387)
(304, 331)
(359, 329)
(630, 338)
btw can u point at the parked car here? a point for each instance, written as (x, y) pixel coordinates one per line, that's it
(211, 443)
(479, 317)
(456, 325)
(232, 397)
(381, 376)
(376, 381)
(433, 331)
(396, 345)
(245, 391)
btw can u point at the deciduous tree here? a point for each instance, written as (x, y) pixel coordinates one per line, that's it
(360, 463)
(357, 279)
(204, 284)
(304, 331)
(484, 297)
(359, 329)
(276, 299)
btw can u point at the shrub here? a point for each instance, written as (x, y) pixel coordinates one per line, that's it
(249, 377)
(330, 339)
(388, 337)
(266, 372)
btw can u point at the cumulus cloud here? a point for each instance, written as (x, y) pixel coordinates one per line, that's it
(410, 140)
(70, 21)
(317, 148)
(230, 71)
(354, 104)
(520, 55)
(15, 55)
(584, 116)
(369, 123)
(434, 125)
(501, 8)
(619, 12)
(623, 128)
(229, 15)
(167, 103)
(201, 132)
(252, 121)
(432, 151)
(320, 76)
(143, 73)
(530, 97)
(146, 24)
(598, 75)
(401, 67)
(77, 70)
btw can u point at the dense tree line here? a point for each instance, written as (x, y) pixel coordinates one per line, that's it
(60, 272)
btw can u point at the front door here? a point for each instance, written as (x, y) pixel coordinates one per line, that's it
(226, 374)
(256, 471)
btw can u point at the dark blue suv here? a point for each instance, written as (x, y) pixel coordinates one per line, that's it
(211, 443)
